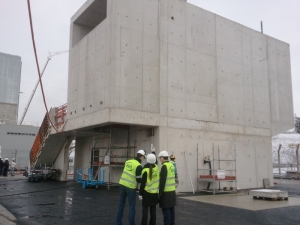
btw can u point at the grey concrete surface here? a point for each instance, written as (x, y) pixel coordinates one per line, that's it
(51, 202)
(6, 218)
(244, 201)
(195, 77)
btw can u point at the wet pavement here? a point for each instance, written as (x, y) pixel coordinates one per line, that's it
(54, 202)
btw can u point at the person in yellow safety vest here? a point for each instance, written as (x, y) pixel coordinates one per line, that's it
(149, 189)
(172, 157)
(129, 180)
(167, 187)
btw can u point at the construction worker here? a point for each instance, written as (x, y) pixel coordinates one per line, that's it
(12, 167)
(172, 157)
(167, 186)
(5, 167)
(149, 190)
(130, 177)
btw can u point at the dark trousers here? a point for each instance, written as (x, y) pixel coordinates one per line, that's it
(5, 172)
(152, 215)
(169, 215)
(129, 193)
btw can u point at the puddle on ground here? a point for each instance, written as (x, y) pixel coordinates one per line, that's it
(51, 203)
(28, 217)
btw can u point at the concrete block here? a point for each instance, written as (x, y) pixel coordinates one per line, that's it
(266, 183)
(268, 193)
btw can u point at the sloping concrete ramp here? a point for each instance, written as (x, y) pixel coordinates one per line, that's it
(48, 154)
(47, 144)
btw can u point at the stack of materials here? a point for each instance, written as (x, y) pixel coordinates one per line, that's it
(268, 194)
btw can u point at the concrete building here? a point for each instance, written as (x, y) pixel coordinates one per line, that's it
(10, 77)
(168, 73)
(16, 142)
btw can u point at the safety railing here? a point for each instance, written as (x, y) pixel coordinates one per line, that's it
(39, 141)
(59, 116)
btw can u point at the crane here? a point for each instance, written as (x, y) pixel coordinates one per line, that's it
(51, 54)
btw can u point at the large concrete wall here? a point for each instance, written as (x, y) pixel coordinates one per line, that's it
(198, 77)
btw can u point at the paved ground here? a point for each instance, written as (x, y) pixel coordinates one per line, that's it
(52, 202)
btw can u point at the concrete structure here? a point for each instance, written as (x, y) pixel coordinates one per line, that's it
(16, 142)
(176, 76)
(10, 78)
(269, 194)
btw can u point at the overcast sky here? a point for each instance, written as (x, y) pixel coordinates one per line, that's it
(51, 20)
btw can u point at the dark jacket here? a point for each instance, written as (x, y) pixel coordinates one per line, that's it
(167, 199)
(1, 164)
(6, 165)
(148, 198)
(138, 171)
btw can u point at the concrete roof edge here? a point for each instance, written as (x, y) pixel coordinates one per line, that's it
(81, 10)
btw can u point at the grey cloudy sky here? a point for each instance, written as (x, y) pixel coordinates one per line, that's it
(51, 20)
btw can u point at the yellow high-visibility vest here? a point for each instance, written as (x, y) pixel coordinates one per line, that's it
(170, 181)
(152, 185)
(128, 177)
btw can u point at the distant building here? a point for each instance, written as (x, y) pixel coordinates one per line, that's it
(16, 142)
(10, 77)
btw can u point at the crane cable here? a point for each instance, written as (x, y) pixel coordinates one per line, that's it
(37, 64)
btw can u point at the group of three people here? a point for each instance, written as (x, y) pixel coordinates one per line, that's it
(155, 187)
(4, 166)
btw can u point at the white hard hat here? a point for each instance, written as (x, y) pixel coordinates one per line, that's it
(151, 158)
(163, 154)
(6, 159)
(13, 159)
(142, 152)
